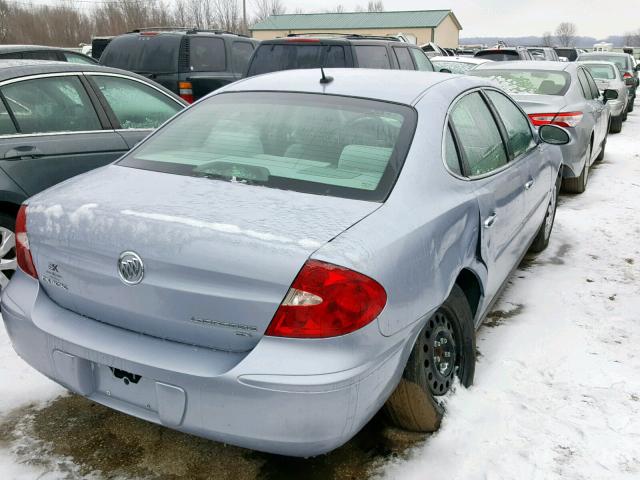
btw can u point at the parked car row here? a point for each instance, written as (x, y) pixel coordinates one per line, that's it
(317, 241)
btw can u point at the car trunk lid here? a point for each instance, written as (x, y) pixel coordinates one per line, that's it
(218, 257)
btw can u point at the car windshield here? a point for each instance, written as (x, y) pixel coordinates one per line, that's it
(528, 82)
(499, 55)
(453, 67)
(621, 61)
(602, 72)
(320, 144)
(278, 57)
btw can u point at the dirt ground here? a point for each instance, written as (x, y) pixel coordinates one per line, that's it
(83, 439)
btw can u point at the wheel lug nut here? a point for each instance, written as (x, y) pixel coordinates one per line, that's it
(447, 354)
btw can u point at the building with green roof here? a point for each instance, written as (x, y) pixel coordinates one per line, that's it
(439, 26)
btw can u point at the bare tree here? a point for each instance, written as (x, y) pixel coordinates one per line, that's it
(375, 6)
(632, 39)
(566, 34)
(547, 39)
(266, 8)
(227, 15)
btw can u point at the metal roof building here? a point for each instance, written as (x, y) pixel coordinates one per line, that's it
(440, 26)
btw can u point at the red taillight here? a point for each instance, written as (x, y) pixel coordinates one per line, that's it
(23, 254)
(327, 301)
(186, 91)
(627, 75)
(562, 119)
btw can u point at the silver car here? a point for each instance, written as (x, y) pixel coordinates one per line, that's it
(273, 263)
(563, 94)
(608, 77)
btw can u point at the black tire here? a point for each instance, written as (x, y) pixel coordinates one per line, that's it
(625, 115)
(631, 105)
(600, 156)
(541, 241)
(616, 124)
(578, 184)
(414, 405)
(7, 227)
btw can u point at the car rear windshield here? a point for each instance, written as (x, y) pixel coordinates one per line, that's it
(602, 72)
(499, 55)
(319, 144)
(143, 53)
(622, 61)
(533, 82)
(277, 57)
(569, 53)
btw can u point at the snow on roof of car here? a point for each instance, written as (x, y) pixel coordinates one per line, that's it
(528, 65)
(399, 86)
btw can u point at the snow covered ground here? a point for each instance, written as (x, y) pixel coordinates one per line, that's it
(557, 389)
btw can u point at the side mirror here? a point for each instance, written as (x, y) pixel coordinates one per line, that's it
(445, 70)
(610, 95)
(553, 135)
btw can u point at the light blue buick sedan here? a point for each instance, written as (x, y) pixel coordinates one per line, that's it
(287, 256)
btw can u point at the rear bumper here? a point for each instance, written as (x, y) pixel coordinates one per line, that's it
(251, 399)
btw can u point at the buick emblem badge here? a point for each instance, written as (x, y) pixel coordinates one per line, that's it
(130, 268)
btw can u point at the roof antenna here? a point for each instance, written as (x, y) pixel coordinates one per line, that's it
(324, 80)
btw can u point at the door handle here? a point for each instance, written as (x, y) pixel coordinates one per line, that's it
(490, 220)
(24, 151)
(528, 185)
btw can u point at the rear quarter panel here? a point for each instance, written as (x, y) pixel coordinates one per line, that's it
(416, 244)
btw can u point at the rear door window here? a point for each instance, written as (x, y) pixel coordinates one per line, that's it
(404, 58)
(520, 139)
(422, 61)
(51, 104)
(207, 54)
(595, 91)
(373, 56)
(241, 52)
(478, 135)
(584, 84)
(134, 104)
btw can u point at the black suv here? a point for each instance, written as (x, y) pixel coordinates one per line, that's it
(505, 54)
(189, 62)
(336, 51)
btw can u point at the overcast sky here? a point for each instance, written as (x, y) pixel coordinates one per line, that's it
(514, 17)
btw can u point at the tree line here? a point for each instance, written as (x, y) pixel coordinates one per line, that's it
(70, 22)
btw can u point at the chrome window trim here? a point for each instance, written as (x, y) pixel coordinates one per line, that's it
(444, 132)
(49, 75)
(138, 80)
(49, 134)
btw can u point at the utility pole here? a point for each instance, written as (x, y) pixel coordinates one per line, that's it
(244, 16)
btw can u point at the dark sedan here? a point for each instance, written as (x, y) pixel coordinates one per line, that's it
(40, 52)
(58, 120)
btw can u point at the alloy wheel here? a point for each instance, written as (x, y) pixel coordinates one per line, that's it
(8, 262)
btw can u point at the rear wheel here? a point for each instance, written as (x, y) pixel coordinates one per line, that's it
(631, 105)
(544, 234)
(444, 350)
(8, 263)
(616, 124)
(579, 183)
